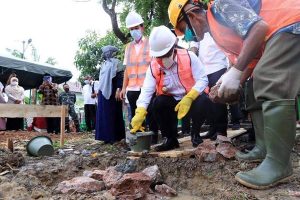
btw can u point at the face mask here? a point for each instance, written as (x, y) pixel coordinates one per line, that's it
(86, 81)
(67, 89)
(14, 83)
(188, 35)
(47, 79)
(136, 34)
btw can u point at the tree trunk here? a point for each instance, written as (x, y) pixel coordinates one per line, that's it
(114, 20)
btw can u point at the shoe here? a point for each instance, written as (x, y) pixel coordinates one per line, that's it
(196, 140)
(211, 132)
(169, 144)
(235, 126)
(215, 135)
(279, 118)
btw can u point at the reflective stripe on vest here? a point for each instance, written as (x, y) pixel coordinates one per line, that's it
(184, 72)
(276, 13)
(137, 64)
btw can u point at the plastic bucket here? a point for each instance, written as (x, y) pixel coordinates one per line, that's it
(141, 141)
(40, 146)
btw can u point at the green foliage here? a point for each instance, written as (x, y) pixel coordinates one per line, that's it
(51, 61)
(154, 12)
(89, 54)
(15, 52)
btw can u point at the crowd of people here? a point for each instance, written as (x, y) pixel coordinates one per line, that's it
(13, 93)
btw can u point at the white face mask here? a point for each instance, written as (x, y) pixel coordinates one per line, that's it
(168, 62)
(86, 81)
(136, 34)
(14, 83)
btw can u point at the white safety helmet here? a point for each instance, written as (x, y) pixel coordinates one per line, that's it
(133, 19)
(161, 40)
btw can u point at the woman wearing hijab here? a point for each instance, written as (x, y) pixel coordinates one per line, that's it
(15, 95)
(109, 124)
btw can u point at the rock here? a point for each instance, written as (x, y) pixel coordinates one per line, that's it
(108, 196)
(111, 176)
(131, 186)
(227, 150)
(86, 153)
(222, 139)
(96, 174)
(154, 173)
(165, 190)
(128, 167)
(76, 152)
(207, 144)
(61, 152)
(234, 98)
(206, 152)
(80, 184)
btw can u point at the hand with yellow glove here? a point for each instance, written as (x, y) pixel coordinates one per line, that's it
(138, 119)
(184, 105)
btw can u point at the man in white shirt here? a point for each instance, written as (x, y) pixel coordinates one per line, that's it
(179, 81)
(137, 60)
(215, 64)
(89, 92)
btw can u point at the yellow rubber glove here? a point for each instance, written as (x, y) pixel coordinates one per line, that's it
(138, 119)
(184, 105)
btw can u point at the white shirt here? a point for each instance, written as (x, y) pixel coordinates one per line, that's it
(137, 47)
(210, 54)
(87, 92)
(175, 88)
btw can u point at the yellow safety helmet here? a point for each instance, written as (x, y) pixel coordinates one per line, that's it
(176, 7)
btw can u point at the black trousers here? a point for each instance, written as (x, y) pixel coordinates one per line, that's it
(163, 110)
(219, 119)
(53, 124)
(150, 119)
(15, 124)
(186, 124)
(236, 114)
(90, 116)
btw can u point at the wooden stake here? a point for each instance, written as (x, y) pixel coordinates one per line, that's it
(10, 144)
(62, 125)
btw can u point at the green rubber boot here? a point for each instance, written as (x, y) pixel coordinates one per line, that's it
(279, 132)
(258, 153)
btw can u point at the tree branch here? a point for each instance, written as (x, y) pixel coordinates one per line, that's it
(113, 4)
(114, 20)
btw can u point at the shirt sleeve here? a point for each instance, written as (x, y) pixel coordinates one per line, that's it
(147, 90)
(198, 73)
(237, 14)
(125, 55)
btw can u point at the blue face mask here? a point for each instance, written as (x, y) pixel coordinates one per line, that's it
(136, 34)
(188, 35)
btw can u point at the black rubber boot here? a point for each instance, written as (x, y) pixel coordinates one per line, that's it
(169, 144)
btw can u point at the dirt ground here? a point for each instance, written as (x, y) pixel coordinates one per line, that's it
(38, 177)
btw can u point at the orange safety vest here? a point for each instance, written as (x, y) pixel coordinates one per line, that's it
(184, 72)
(137, 63)
(276, 13)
